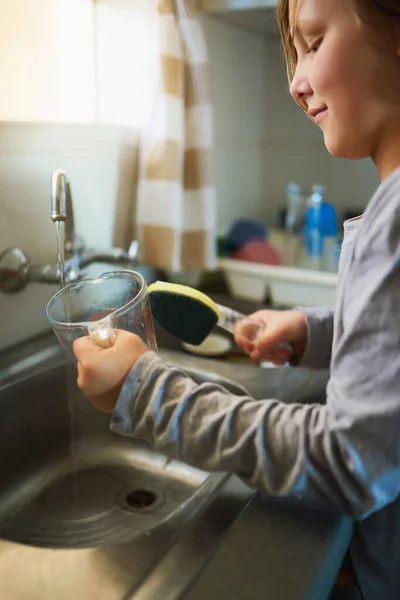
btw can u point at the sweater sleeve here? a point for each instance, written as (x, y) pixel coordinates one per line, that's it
(319, 338)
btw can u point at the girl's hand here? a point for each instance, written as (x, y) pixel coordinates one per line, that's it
(281, 327)
(102, 372)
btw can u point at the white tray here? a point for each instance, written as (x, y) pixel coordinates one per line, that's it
(286, 286)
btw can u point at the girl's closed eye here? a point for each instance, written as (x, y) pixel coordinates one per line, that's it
(312, 48)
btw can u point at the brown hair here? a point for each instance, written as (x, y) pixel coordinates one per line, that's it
(388, 11)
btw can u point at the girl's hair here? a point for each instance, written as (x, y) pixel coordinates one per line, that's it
(386, 11)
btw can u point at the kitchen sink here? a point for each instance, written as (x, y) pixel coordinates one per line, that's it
(93, 489)
(102, 516)
(93, 509)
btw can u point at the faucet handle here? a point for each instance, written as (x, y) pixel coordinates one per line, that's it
(58, 196)
(14, 266)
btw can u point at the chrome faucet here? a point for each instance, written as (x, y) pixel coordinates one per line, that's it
(58, 196)
(15, 268)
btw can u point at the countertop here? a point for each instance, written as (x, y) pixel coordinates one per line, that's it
(276, 550)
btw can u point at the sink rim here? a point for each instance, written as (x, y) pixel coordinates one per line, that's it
(29, 363)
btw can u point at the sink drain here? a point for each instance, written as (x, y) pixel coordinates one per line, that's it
(141, 500)
(101, 506)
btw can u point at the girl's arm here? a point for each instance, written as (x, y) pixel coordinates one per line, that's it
(347, 451)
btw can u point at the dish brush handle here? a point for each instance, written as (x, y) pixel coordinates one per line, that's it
(253, 330)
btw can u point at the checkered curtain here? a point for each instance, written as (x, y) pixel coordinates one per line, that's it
(176, 205)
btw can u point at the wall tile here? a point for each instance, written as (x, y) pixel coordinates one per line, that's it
(101, 165)
(239, 182)
(238, 82)
(285, 162)
(351, 183)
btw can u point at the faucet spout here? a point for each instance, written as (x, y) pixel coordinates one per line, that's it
(15, 268)
(58, 196)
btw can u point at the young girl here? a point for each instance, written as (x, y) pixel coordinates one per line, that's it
(344, 63)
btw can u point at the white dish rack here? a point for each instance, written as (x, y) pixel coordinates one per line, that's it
(285, 286)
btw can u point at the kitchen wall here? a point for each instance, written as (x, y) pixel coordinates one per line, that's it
(101, 159)
(46, 60)
(101, 164)
(262, 141)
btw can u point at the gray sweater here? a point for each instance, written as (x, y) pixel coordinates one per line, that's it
(345, 452)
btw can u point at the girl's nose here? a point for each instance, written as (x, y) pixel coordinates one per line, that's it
(300, 87)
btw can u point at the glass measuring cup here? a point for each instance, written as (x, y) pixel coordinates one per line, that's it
(97, 307)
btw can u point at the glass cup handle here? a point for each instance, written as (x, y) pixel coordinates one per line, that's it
(102, 333)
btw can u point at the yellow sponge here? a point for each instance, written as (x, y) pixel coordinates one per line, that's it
(183, 311)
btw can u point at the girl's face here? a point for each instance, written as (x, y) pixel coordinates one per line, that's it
(348, 76)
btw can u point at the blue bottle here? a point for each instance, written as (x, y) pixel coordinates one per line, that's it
(321, 232)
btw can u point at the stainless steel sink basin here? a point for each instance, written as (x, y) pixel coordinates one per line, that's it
(91, 511)
(97, 488)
